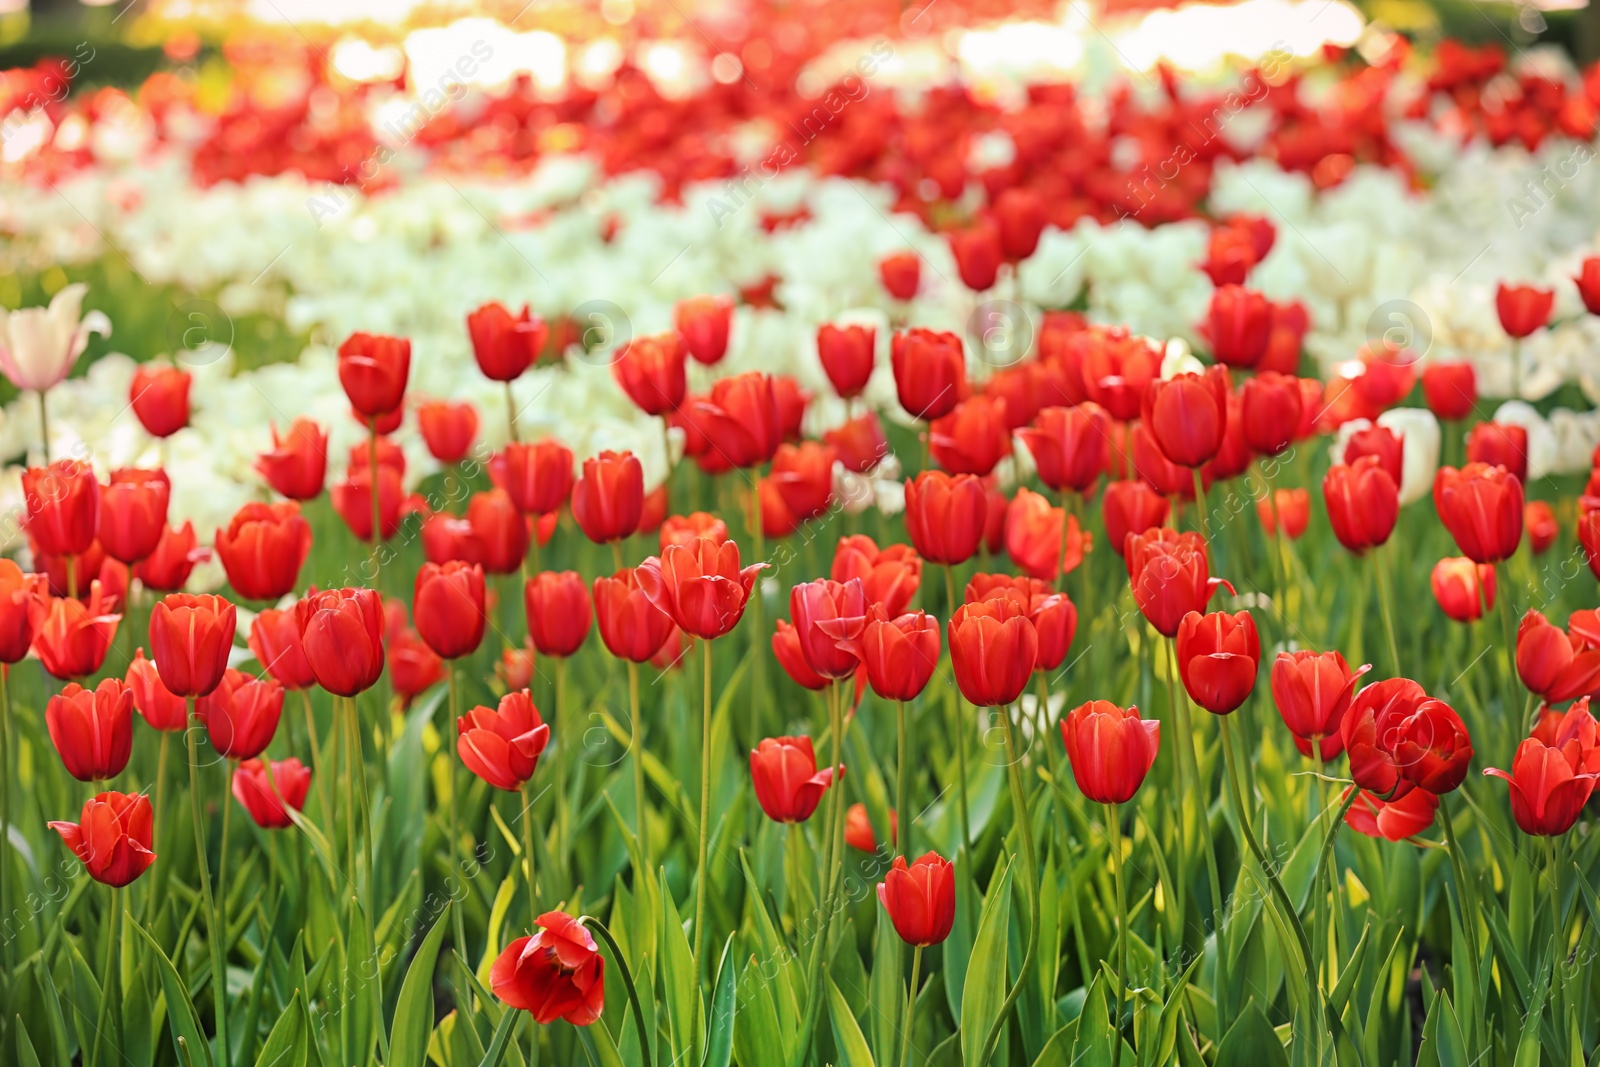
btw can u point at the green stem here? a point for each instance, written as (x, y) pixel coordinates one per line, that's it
(458, 921)
(532, 879)
(1382, 583)
(1508, 640)
(1114, 831)
(641, 807)
(109, 977)
(959, 736)
(1188, 768)
(702, 879)
(316, 758)
(627, 981)
(217, 933)
(902, 790)
(1466, 896)
(5, 823)
(1019, 801)
(377, 497)
(44, 427)
(911, 1004)
(511, 413)
(563, 808)
(1203, 518)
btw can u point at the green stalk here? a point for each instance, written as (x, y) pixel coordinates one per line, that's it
(702, 882)
(1114, 831)
(458, 922)
(1383, 605)
(44, 428)
(511, 413)
(110, 975)
(640, 805)
(316, 758)
(911, 1004)
(1508, 640)
(217, 933)
(5, 818)
(627, 981)
(528, 796)
(563, 819)
(958, 738)
(1188, 768)
(902, 790)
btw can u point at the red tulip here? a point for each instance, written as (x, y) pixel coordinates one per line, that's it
(1270, 412)
(995, 509)
(1576, 726)
(786, 650)
(858, 444)
(389, 455)
(447, 538)
(1539, 519)
(414, 668)
(1110, 749)
(700, 585)
(447, 429)
(1020, 216)
(631, 627)
(1523, 308)
(515, 667)
(803, 476)
(1290, 322)
(740, 419)
(160, 398)
(1559, 665)
(1501, 444)
(1290, 507)
(168, 567)
(1229, 256)
(1055, 618)
(505, 346)
(341, 631)
(791, 401)
(558, 973)
(900, 272)
(263, 549)
(1170, 575)
(1238, 324)
(704, 323)
(373, 369)
(1153, 466)
(1311, 409)
(993, 648)
(1312, 691)
(787, 783)
(1019, 390)
(1481, 506)
(945, 515)
(858, 828)
(930, 372)
(608, 497)
(500, 531)
(352, 499)
(502, 745)
(1131, 507)
(63, 502)
(1382, 442)
(297, 465)
(651, 371)
(538, 476)
(269, 796)
(1118, 369)
(92, 564)
(1218, 656)
(920, 898)
(275, 642)
(1588, 281)
(241, 714)
(890, 577)
(19, 593)
(1069, 445)
(687, 529)
(1398, 738)
(1034, 535)
(92, 729)
(1450, 389)
(1463, 587)
(448, 606)
(1363, 503)
(828, 620)
(977, 254)
(1549, 787)
(133, 513)
(972, 438)
(899, 652)
(847, 354)
(1392, 820)
(1589, 537)
(71, 636)
(112, 837)
(558, 610)
(190, 638)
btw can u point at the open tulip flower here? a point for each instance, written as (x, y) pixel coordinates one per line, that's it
(1398, 739)
(71, 637)
(557, 973)
(1554, 773)
(890, 576)
(787, 784)
(1559, 665)
(113, 837)
(700, 585)
(502, 745)
(1393, 820)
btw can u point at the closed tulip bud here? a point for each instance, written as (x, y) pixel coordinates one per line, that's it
(993, 649)
(373, 369)
(858, 444)
(651, 371)
(1239, 325)
(1019, 214)
(1382, 442)
(1110, 749)
(297, 465)
(414, 668)
(112, 837)
(1588, 281)
(341, 631)
(263, 549)
(19, 593)
(1069, 445)
(1549, 787)
(502, 745)
(1523, 308)
(828, 619)
(1559, 665)
(352, 499)
(160, 398)
(787, 783)
(447, 429)
(133, 513)
(1450, 389)
(448, 607)
(631, 627)
(741, 419)
(890, 577)
(447, 538)
(900, 273)
(190, 637)
(71, 636)
(1363, 503)
(275, 643)
(1398, 738)
(167, 569)
(920, 898)
(558, 973)
(1229, 256)
(538, 476)
(92, 729)
(1270, 412)
(847, 354)
(63, 502)
(1312, 691)
(704, 323)
(389, 455)
(687, 529)
(1463, 587)
(559, 611)
(978, 255)
(1218, 655)
(972, 438)
(945, 515)
(1290, 322)
(503, 345)
(700, 585)
(930, 372)
(241, 714)
(803, 476)
(1289, 509)
(1131, 507)
(1499, 444)
(1539, 519)
(500, 531)
(1055, 618)
(268, 795)
(996, 509)
(1171, 576)
(1187, 415)
(1481, 506)
(608, 497)
(786, 650)
(858, 828)
(1392, 820)
(384, 424)
(899, 652)
(515, 668)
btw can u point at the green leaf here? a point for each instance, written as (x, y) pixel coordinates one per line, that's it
(1251, 1042)
(26, 1057)
(852, 1046)
(984, 990)
(1452, 1045)
(286, 1045)
(886, 990)
(755, 1030)
(360, 986)
(413, 1012)
(677, 975)
(958, 946)
(502, 1038)
(724, 1009)
(1057, 1052)
(183, 1020)
(1092, 1039)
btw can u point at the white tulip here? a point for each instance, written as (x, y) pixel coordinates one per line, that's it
(38, 346)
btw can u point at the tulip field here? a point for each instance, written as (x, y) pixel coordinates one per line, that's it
(982, 601)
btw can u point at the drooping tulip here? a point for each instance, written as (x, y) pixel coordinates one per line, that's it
(1110, 749)
(1392, 820)
(112, 837)
(557, 973)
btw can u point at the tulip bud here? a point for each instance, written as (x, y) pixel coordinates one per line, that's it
(788, 785)
(920, 898)
(1110, 749)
